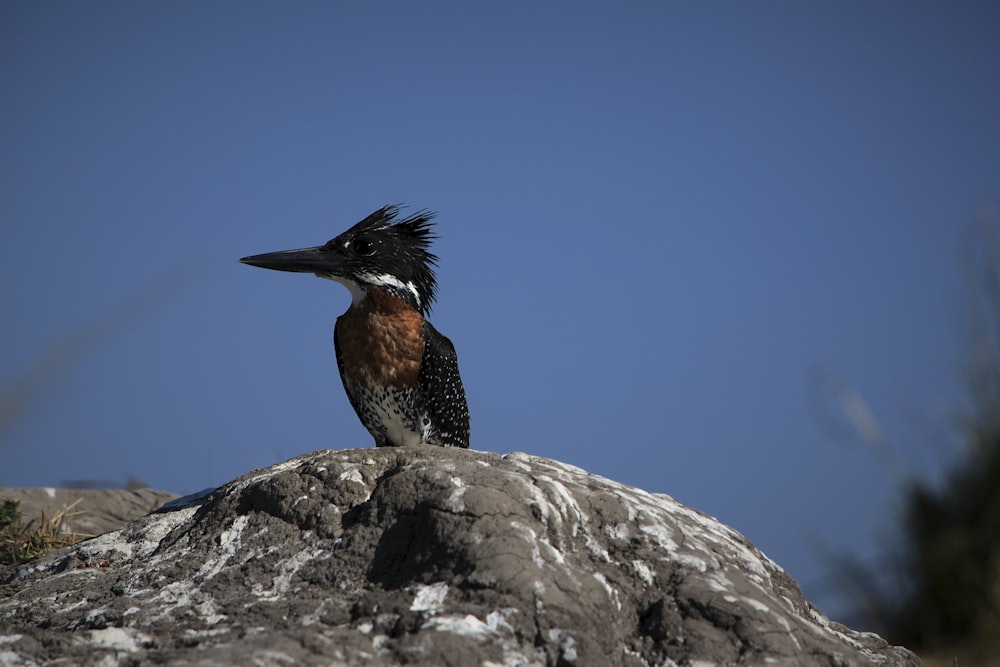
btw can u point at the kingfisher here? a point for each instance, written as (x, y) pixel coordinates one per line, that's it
(400, 373)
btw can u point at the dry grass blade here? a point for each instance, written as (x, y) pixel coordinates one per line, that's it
(21, 542)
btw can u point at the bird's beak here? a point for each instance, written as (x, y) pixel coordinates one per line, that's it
(319, 260)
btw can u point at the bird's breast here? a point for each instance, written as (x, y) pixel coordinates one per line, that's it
(381, 341)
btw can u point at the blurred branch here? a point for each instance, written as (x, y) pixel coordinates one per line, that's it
(846, 415)
(24, 390)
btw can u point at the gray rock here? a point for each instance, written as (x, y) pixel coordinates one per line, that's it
(420, 555)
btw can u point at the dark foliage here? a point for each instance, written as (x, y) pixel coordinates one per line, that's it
(952, 551)
(950, 578)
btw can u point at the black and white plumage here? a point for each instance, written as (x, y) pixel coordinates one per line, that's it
(400, 374)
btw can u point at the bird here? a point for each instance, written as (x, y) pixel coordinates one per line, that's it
(400, 373)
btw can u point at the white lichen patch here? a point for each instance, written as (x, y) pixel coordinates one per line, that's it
(552, 556)
(594, 547)
(530, 536)
(113, 545)
(516, 658)
(645, 572)
(563, 501)
(430, 598)
(61, 608)
(691, 561)
(286, 568)
(467, 626)
(823, 626)
(661, 535)
(138, 541)
(536, 462)
(117, 639)
(184, 595)
(212, 632)
(566, 642)
(95, 615)
(717, 580)
(519, 460)
(229, 545)
(351, 473)
(455, 501)
(609, 589)
(619, 531)
(274, 658)
(11, 659)
(788, 628)
(268, 473)
(497, 620)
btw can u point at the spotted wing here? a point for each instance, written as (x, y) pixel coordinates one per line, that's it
(441, 387)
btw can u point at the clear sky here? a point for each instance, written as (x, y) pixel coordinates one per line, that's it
(659, 223)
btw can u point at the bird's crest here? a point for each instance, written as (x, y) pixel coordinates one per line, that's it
(402, 251)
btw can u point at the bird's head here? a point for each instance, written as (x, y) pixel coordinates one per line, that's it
(378, 251)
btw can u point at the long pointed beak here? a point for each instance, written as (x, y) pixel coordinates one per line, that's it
(306, 260)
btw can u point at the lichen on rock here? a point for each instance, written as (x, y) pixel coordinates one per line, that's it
(422, 555)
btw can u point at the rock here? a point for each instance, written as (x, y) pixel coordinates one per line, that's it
(90, 511)
(420, 555)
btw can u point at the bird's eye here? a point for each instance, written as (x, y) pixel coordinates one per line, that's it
(364, 246)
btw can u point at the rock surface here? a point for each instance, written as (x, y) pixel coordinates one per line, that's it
(90, 511)
(420, 555)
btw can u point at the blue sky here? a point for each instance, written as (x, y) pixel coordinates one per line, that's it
(658, 221)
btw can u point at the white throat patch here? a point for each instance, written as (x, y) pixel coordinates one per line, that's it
(386, 280)
(358, 292)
